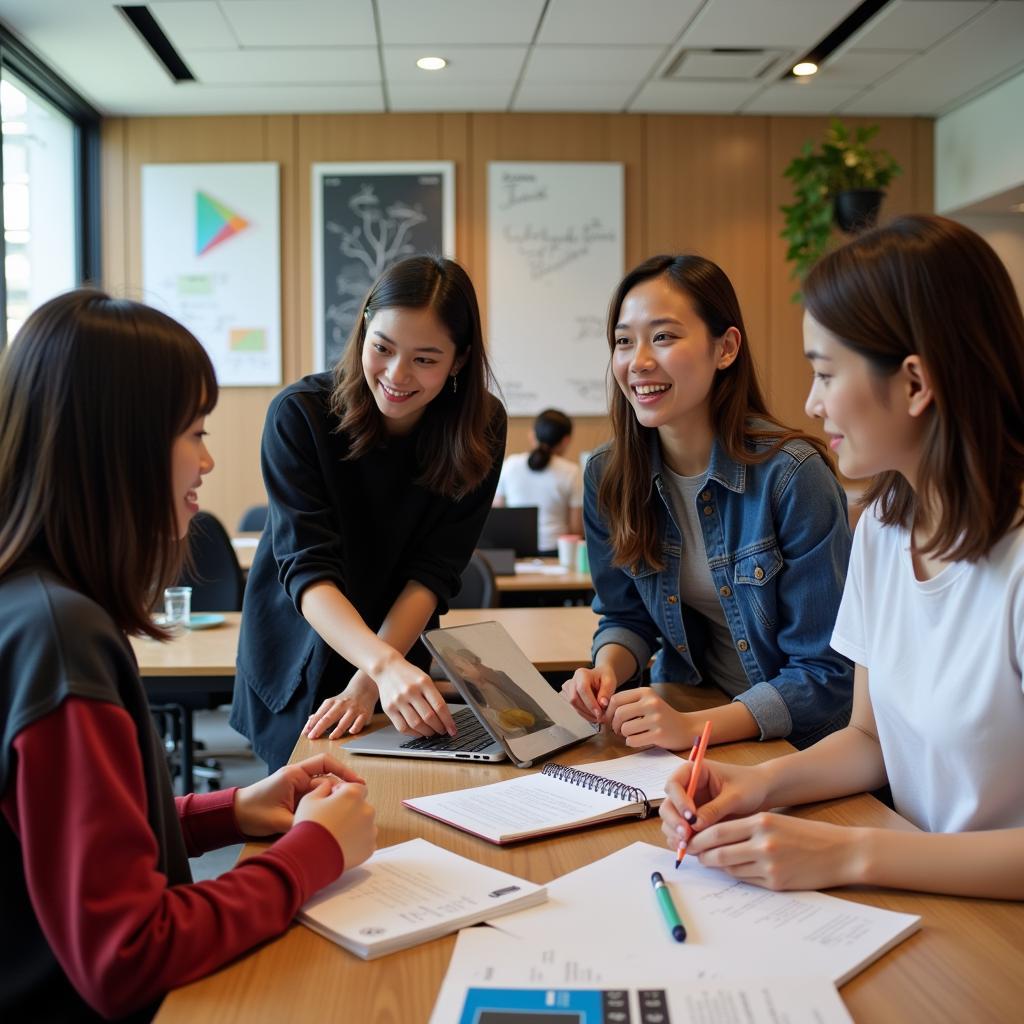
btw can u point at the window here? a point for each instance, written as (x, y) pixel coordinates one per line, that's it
(39, 200)
(50, 209)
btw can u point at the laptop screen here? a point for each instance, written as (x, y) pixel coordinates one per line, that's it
(501, 684)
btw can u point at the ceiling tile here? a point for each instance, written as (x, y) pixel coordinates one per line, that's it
(466, 64)
(584, 64)
(605, 96)
(980, 52)
(615, 21)
(301, 22)
(277, 66)
(783, 23)
(793, 97)
(859, 67)
(917, 25)
(194, 25)
(693, 97)
(406, 96)
(414, 22)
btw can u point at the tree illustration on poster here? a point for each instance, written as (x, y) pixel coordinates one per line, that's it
(366, 217)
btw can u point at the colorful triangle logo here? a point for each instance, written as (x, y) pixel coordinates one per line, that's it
(215, 223)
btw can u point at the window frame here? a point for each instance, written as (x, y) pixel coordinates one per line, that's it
(22, 62)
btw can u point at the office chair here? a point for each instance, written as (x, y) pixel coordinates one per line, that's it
(217, 585)
(479, 587)
(254, 519)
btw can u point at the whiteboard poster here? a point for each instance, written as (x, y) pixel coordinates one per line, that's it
(211, 259)
(367, 216)
(554, 254)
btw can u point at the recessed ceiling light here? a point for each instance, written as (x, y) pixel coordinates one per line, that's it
(804, 68)
(431, 63)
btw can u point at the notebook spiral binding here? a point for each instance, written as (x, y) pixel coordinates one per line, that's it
(607, 787)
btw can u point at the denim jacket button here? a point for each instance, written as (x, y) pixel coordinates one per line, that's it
(759, 573)
(742, 645)
(708, 510)
(672, 599)
(725, 591)
(681, 648)
(706, 496)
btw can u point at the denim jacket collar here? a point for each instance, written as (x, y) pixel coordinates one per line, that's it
(722, 468)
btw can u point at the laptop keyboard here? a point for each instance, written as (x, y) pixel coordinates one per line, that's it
(472, 736)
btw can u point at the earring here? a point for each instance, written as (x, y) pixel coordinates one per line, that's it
(455, 383)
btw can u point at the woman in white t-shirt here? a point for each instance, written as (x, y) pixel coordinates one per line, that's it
(916, 340)
(544, 478)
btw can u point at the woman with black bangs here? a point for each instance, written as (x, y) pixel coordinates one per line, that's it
(379, 476)
(102, 454)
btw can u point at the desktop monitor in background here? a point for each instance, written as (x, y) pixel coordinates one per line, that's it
(511, 528)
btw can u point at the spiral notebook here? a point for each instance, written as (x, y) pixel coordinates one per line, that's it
(556, 799)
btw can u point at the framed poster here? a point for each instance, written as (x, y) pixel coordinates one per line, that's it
(554, 253)
(211, 259)
(367, 216)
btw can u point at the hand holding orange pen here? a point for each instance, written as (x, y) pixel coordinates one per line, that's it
(697, 757)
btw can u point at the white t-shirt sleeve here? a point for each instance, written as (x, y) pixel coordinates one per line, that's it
(576, 488)
(502, 489)
(850, 636)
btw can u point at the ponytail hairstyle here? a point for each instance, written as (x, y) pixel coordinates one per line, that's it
(623, 496)
(929, 286)
(550, 429)
(455, 438)
(93, 393)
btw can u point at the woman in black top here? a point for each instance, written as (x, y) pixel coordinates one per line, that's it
(379, 476)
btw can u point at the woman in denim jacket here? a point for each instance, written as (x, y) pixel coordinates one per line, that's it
(718, 538)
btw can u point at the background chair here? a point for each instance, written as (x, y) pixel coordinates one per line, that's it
(253, 520)
(217, 586)
(479, 587)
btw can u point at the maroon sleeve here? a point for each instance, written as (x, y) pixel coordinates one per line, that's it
(208, 820)
(122, 935)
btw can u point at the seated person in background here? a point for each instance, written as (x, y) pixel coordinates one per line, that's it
(102, 451)
(916, 340)
(544, 478)
(717, 536)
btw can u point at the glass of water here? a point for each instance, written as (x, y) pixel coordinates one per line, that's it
(177, 608)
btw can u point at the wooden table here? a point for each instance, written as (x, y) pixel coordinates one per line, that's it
(570, 581)
(554, 639)
(963, 965)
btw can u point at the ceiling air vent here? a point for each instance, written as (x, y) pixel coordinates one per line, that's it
(734, 64)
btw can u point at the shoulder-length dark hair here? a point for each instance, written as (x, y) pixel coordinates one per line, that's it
(736, 400)
(455, 438)
(93, 393)
(929, 286)
(550, 428)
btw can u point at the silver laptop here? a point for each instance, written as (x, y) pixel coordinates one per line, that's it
(510, 710)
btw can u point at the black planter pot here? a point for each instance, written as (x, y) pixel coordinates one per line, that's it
(856, 209)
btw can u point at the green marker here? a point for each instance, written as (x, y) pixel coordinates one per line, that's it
(668, 908)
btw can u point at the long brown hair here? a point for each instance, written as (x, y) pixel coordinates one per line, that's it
(929, 286)
(455, 438)
(93, 393)
(624, 492)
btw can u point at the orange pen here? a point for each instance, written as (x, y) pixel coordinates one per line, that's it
(697, 757)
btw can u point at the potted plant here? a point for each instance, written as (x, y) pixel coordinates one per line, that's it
(842, 182)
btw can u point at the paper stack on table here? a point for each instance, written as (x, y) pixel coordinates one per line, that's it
(410, 893)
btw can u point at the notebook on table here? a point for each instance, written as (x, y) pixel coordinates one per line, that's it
(556, 799)
(411, 893)
(510, 710)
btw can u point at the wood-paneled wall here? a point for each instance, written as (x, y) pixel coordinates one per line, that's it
(706, 184)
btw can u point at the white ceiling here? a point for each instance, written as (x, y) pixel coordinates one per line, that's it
(915, 57)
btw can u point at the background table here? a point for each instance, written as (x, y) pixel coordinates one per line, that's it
(963, 965)
(554, 639)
